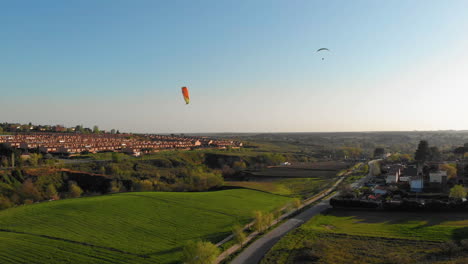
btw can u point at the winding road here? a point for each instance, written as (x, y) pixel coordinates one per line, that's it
(254, 253)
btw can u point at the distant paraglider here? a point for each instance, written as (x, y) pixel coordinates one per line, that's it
(323, 49)
(186, 95)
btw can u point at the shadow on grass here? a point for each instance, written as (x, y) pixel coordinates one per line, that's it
(460, 233)
(373, 217)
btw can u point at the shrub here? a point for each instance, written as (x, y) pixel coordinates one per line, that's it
(296, 203)
(458, 192)
(5, 202)
(199, 252)
(116, 157)
(278, 212)
(74, 190)
(346, 191)
(115, 187)
(396, 258)
(51, 192)
(29, 191)
(164, 163)
(464, 244)
(263, 220)
(239, 235)
(143, 186)
(450, 248)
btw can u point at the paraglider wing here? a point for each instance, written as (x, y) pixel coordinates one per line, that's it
(323, 49)
(185, 93)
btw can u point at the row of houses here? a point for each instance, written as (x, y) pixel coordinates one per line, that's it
(66, 143)
(414, 176)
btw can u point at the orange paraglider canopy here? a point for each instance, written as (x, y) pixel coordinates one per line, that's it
(186, 95)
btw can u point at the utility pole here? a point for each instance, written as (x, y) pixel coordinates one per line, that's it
(13, 160)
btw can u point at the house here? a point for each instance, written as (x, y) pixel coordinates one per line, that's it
(437, 176)
(379, 190)
(408, 173)
(404, 179)
(393, 175)
(132, 151)
(417, 183)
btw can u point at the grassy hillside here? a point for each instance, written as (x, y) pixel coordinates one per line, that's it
(124, 228)
(344, 236)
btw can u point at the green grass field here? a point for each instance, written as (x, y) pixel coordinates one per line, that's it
(124, 228)
(300, 180)
(296, 187)
(346, 236)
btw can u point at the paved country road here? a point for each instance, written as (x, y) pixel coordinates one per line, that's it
(255, 252)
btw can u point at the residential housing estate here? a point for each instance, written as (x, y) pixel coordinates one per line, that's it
(75, 143)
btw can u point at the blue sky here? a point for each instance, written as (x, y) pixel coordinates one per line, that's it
(250, 65)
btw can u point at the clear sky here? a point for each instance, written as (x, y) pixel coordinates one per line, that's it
(250, 65)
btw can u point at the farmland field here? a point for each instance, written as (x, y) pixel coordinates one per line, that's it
(296, 187)
(346, 236)
(322, 170)
(124, 228)
(294, 173)
(299, 180)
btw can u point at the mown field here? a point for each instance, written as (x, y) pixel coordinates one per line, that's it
(293, 173)
(346, 236)
(299, 187)
(324, 170)
(139, 227)
(299, 180)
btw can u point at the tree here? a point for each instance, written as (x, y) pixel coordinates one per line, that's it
(239, 235)
(143, 186)
(457, 192)
(460, 151)
(95, 129)
(379, 152)
(200, 252)
(29, 192)
(116, 157)
(74, 190)
(79, 128)
(450, 169)
(34, 159)
(4, 162)
(51, 192)
(114, 187)
(434, 154)
(296, 203)
(346, 190)
(352, 152)
(263, 220)
(5, 202)
(423, 153)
